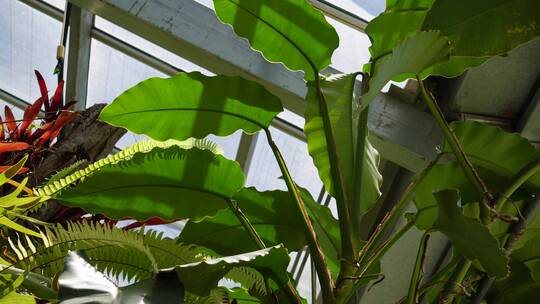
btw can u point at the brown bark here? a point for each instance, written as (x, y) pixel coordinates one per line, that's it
(85, 138)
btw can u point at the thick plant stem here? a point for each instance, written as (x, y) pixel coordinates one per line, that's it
(412, 295)
(325, 277)
(450, 288)
(343, 296)
(291, 292)
(16, 184)
(460, 155)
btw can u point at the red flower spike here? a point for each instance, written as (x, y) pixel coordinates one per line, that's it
(43, 90)
(30, 114)
(57, 98)
(10, 120)
(14, 146)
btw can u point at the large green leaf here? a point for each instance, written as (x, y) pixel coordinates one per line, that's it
(518, 287)
(400, 19)
(497, 155)
(469, 236)
(484, 27)
(276, 220)
(170, 183)
(478, 30)
(193, 105)
(530, 256)
(271, 213)
(81, 283)
(287, 31)
(338, 91)
(494, 149)
(200, 278)
(410, 58)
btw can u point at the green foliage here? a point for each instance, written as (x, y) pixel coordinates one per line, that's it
(163, 288)
(288, 31)
(276, 220)
(343, 112)
(201, 277)
(190, 180)
(469, 236)
(53, 187)
(193, 105)
(479, 30)
(409, 59)
(119, 253)
(162, 183)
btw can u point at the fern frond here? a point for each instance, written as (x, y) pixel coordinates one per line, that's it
(249, 278)
(217, 295)
(54, 187)
(121, 254)
(66, 171)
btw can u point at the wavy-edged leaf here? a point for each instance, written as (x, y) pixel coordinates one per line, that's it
(494, 149)
(193, 105)
(79, 275)
(271, 213)
(200, 278)
(168, 183)
(287, 31)
(276, 220)
(343, 112)
(54, 186)
(498, 155)
(410, 58)
(398, 21)
(478, 30)
(469, 236)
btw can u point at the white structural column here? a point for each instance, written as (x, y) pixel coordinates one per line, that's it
(403, 134)
(78, 58)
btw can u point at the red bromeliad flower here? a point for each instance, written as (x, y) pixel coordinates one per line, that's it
(18, 136)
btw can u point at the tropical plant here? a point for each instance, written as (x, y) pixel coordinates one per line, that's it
(482, 200)
(20, 137)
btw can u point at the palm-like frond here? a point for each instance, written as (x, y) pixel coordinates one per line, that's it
(124, 255)
(53, 187)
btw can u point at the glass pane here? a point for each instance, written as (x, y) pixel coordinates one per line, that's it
(28, 41)
(148, 46)
(59, 4)
(352, 52)
(112, 72)
(366, 9)
(264, 172)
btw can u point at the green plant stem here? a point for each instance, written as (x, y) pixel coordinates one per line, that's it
(449, 290)
(460, 155)
(517, 181)
(412, 295)
(291, 292)
(397, 211)
(319, 259)
(343, 297)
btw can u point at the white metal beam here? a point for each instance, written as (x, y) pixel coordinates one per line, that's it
(402, 133)
(78, 59)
